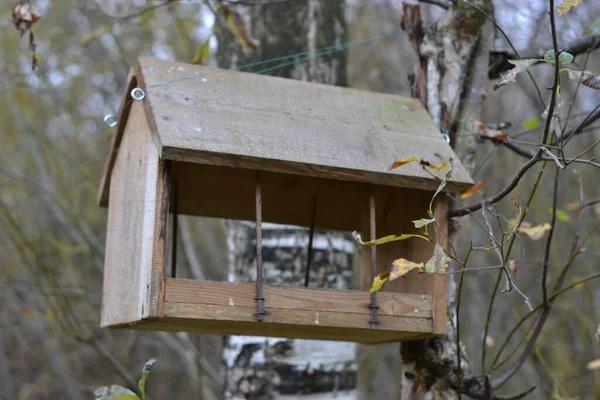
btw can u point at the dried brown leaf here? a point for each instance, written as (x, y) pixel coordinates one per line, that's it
(399, 163)
(24, 15)
(511, 75)
(536, 232)
(513, 267)
(237, 26)
(586, 78)
(472, 190)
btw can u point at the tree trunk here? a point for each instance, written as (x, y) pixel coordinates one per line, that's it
(450, 81)
(267, 368)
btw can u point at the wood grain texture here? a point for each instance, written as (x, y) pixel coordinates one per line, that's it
(225, 192)
(220, 327)
(295, 323)
(116, 140)
(440, 282)
(293, 298)
(205, 115)
(159, 255)
(128, 268)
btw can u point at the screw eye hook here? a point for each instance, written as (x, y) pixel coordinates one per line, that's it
(110, 120)
(138, 94)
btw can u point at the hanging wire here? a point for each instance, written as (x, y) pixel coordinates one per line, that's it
(138, 94)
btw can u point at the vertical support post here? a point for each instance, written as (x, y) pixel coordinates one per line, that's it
(174, 227)
(259, 266)
(373, 228)
(311, 236)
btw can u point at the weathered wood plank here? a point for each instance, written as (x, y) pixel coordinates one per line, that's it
(254, 121)
(294, 298)
(124, 109)
(440, 282)
(287, 198)
(297, 323)
(128, 267)
(367, 336)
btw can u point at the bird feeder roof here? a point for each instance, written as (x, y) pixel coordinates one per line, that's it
(237, 119)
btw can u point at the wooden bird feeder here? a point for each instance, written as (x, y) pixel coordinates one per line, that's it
(208, 142)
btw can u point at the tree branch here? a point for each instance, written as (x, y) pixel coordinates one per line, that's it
(500, 195)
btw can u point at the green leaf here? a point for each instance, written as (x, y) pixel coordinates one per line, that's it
(550, 57)
(531, 123)
(419, 223)
(145, 372)
(560, 215)
(114, 392)
(565, 58)
(594, 29)
(385, 239)
(379, 281)
(438, 263)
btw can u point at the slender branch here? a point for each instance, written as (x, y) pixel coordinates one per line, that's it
(556, 292)
(500, 195)
(589, 203)
(549, 238)
(458, 298)
(138, 13)
(508, 252)
(577, 47)
(493, 21)
(546, 307)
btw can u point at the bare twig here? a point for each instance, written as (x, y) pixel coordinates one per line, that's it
(546, 306)
(508, 252)
(500, 195)
(493, 21)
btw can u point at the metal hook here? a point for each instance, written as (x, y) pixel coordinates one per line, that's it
(138, 94)
(110, 120)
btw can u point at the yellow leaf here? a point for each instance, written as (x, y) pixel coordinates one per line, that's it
(399, 163)
(92, 35)
(379, 281)
(402, 266)
(472, 190)
(201, 57)
(566, 6)
(436, 167)
(237, 26)
(536, 232)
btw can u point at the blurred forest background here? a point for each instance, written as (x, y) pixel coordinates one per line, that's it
(53, 144)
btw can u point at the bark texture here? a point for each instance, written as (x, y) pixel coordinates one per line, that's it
(454, 58)
(268, 368)
(450, 80)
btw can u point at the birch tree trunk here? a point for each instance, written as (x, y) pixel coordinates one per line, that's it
(450, 80)
(268, 368)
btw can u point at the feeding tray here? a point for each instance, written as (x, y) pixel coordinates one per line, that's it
(216, 143)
